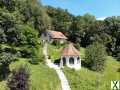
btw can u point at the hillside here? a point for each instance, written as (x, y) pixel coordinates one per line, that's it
(86, 79)
(41, 77)
(21, 23)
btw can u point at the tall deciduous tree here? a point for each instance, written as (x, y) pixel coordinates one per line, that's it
(60, 19)
(95, 56)
(80, 29)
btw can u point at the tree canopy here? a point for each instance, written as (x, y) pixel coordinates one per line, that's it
(95, 56)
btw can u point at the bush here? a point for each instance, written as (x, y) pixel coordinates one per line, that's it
(118, 56)
(37, 55)
(95, 56)
(19, 79)
(77, 46)
(5, 60)
(26, 53)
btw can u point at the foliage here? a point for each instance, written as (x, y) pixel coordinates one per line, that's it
(19, 79)
(33, 13)
(54, 52)
(5, 60)
(60, 19)
(22, 12)
(85, 29)
(8, 4)
(37, 55)
(113, 29)
(80, 28)
(95, 56)
(21, 23)
(77, 45)
(118, 56)
(26, 36)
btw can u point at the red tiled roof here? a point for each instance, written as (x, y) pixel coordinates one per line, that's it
(57, 35)
(70, 51)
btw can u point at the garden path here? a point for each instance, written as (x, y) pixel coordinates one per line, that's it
(60, 73)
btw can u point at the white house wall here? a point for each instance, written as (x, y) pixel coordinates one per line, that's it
(76, 65)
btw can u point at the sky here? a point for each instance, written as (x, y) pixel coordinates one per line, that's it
(99, 8)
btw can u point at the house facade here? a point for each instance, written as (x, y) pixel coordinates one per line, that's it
(70, 57)
(51, 36)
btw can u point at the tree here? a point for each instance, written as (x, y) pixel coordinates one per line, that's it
(33, 14)
(2, 36)
(80, 29)
(118, 56)
(5, 60)
(9, 4)
(95, 56)
(19, 79)
(77, 29)
(60, 19)
(112, 25)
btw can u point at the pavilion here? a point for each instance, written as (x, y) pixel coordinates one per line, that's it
(70, 57)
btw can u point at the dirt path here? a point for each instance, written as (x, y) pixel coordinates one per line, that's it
(61, 75)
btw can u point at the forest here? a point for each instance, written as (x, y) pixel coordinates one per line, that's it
(84, 30)
(23, 21)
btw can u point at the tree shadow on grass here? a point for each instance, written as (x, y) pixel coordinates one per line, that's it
(118, 70)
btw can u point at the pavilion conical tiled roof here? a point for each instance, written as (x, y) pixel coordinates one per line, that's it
(70, 50)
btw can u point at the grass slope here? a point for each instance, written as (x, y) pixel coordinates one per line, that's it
(54, 51)
(41, 78)
(85, 79)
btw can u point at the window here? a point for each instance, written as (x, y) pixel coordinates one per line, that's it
(78, 59)
(71, 60)
(64, 61)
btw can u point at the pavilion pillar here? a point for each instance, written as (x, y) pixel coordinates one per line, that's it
(61, 62)
(80, 62)
(75, 60)
(67, 61)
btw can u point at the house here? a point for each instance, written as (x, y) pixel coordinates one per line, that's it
(51, 36)
(70, 57)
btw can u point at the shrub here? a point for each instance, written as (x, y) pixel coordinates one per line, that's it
(19, 79)
(77, 46)
(5, 60)
(37, 55)
(118, 56)
(95, 56)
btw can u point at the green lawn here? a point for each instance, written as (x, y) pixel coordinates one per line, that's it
(85, 79)
(41, 78)
(54, 51)
(82, 52)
